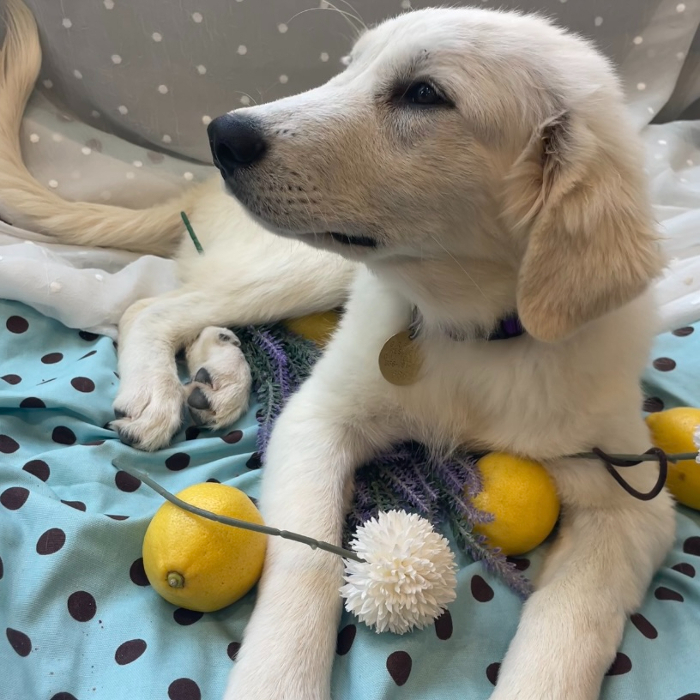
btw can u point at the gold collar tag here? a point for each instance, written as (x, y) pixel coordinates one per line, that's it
(400, 359)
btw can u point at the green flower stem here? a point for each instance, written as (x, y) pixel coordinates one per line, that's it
(678, 457)
(193, 235)
(234, 522)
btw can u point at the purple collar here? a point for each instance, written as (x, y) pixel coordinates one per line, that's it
(507, 327)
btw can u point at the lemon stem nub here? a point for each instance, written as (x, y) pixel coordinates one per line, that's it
(176, 579)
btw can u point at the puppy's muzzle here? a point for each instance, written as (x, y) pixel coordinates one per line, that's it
(236, 142)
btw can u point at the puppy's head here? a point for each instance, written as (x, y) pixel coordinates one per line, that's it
(477, 135)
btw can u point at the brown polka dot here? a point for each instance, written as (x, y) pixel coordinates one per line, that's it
(664, 364)
(83, 384)
(232, 650)
(653, 404)
(138, 574)
(492, 672)
(186, 617)
(84, 334)
(691, 696)
(192, 433)
(63, 696)
(38, 468)
(644, 626)
(663, 593)
(178, 461)
(32, 402)
(213, 481)
(78, 505)
(233, 437)
(692, 546)
(520, 564)
(117, 517)
(621, 665)
(14, 497)
(63, 435)
(155, 157)
(12, 378)
(88, 354)
(443, 625)
(8, 445)
(254, 462)
(129, 651)
(683, 332)
(125, 482)
(81, 606)
(94, 443)
(52, 358)
(17, 324)
(685, 568)
(184, 689)
(2, 568)
(399, 666)
(95, 145)
(19, 641)
(51, 541)
(481, 590)
(346, 637)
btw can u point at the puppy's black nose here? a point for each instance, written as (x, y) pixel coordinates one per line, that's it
(235, 141)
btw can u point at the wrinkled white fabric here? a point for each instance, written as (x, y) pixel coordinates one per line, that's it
(87, 288)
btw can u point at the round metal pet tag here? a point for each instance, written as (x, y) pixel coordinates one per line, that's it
(400, 360)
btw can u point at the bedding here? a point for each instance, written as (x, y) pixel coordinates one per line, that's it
(80, 621)
(125, 91)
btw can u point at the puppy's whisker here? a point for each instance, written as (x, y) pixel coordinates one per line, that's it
(249, 96)
(331, 8)
(459, 265)
(355, 14)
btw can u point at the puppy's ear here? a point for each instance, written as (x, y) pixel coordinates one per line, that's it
(589, 243)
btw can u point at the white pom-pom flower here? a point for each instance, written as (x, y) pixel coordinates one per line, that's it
(407, 577)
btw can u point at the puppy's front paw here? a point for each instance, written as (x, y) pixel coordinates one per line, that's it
(148, 411)
(220, 388)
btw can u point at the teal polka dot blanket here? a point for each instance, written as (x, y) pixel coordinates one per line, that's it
(80, 622)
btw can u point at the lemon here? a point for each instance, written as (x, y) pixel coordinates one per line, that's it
(199, 564)
(672, 431)
(522, 497)
(316, 327)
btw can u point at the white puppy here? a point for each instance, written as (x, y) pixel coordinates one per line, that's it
(467, 164)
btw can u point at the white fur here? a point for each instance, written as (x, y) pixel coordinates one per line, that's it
(528, 193)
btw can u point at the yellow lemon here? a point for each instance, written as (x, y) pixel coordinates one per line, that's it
(316, 327)
(672, 431)
(521, 496)
(199, 564)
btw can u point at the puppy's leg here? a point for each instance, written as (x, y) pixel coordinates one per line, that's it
(287, 282)
(611, 545)
(288, 646)
(148, 405)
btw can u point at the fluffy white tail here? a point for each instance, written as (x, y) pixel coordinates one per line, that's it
(26, 203)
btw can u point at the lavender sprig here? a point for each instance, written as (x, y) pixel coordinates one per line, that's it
(440, 487)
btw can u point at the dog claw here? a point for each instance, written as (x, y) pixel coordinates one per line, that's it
(203, 377)
(198, 399)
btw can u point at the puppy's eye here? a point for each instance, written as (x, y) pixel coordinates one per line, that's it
(423, 94)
